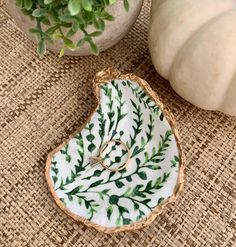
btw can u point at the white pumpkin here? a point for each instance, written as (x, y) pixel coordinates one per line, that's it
(193, 45)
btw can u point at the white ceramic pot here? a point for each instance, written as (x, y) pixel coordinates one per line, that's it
(113, 33)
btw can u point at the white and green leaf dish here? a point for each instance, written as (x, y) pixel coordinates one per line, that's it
(127, 110)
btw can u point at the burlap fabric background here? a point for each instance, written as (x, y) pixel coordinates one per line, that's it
(44, 100)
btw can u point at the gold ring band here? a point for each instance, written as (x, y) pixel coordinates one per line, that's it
(99, 159)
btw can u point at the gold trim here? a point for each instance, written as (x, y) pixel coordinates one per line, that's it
(104, 77)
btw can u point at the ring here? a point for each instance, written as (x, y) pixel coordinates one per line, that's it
(99, 160)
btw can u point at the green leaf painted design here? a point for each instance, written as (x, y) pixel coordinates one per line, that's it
(110, 112)
(143, 97)
(119, 184)
(55, 171)
(161, 117)
(90, 138)
(142, 175)
(137, 128)
(63, 201)
(109, 212)
(175, 161)
(129, 114)
(103, 193)
(102, 124)
(119, 220)
(160, 200)
(144, 142)
(121, 103)
(79, 168)
(113, 199)
(65, 152)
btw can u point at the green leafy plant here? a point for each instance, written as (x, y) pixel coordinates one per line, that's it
(61, 19)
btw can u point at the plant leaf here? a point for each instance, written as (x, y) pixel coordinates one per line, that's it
(86, 5)
(41, 48)
(39, 12)
(74, 7)
(126, 5)
(28, 4)
(62, 52)
(94, 48)
(48, 1)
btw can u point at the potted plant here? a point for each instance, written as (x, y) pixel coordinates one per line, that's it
(75, 27)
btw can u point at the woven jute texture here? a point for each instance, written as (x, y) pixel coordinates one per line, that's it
(44, 100)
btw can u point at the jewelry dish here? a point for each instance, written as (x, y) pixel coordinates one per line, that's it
(129, 111)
